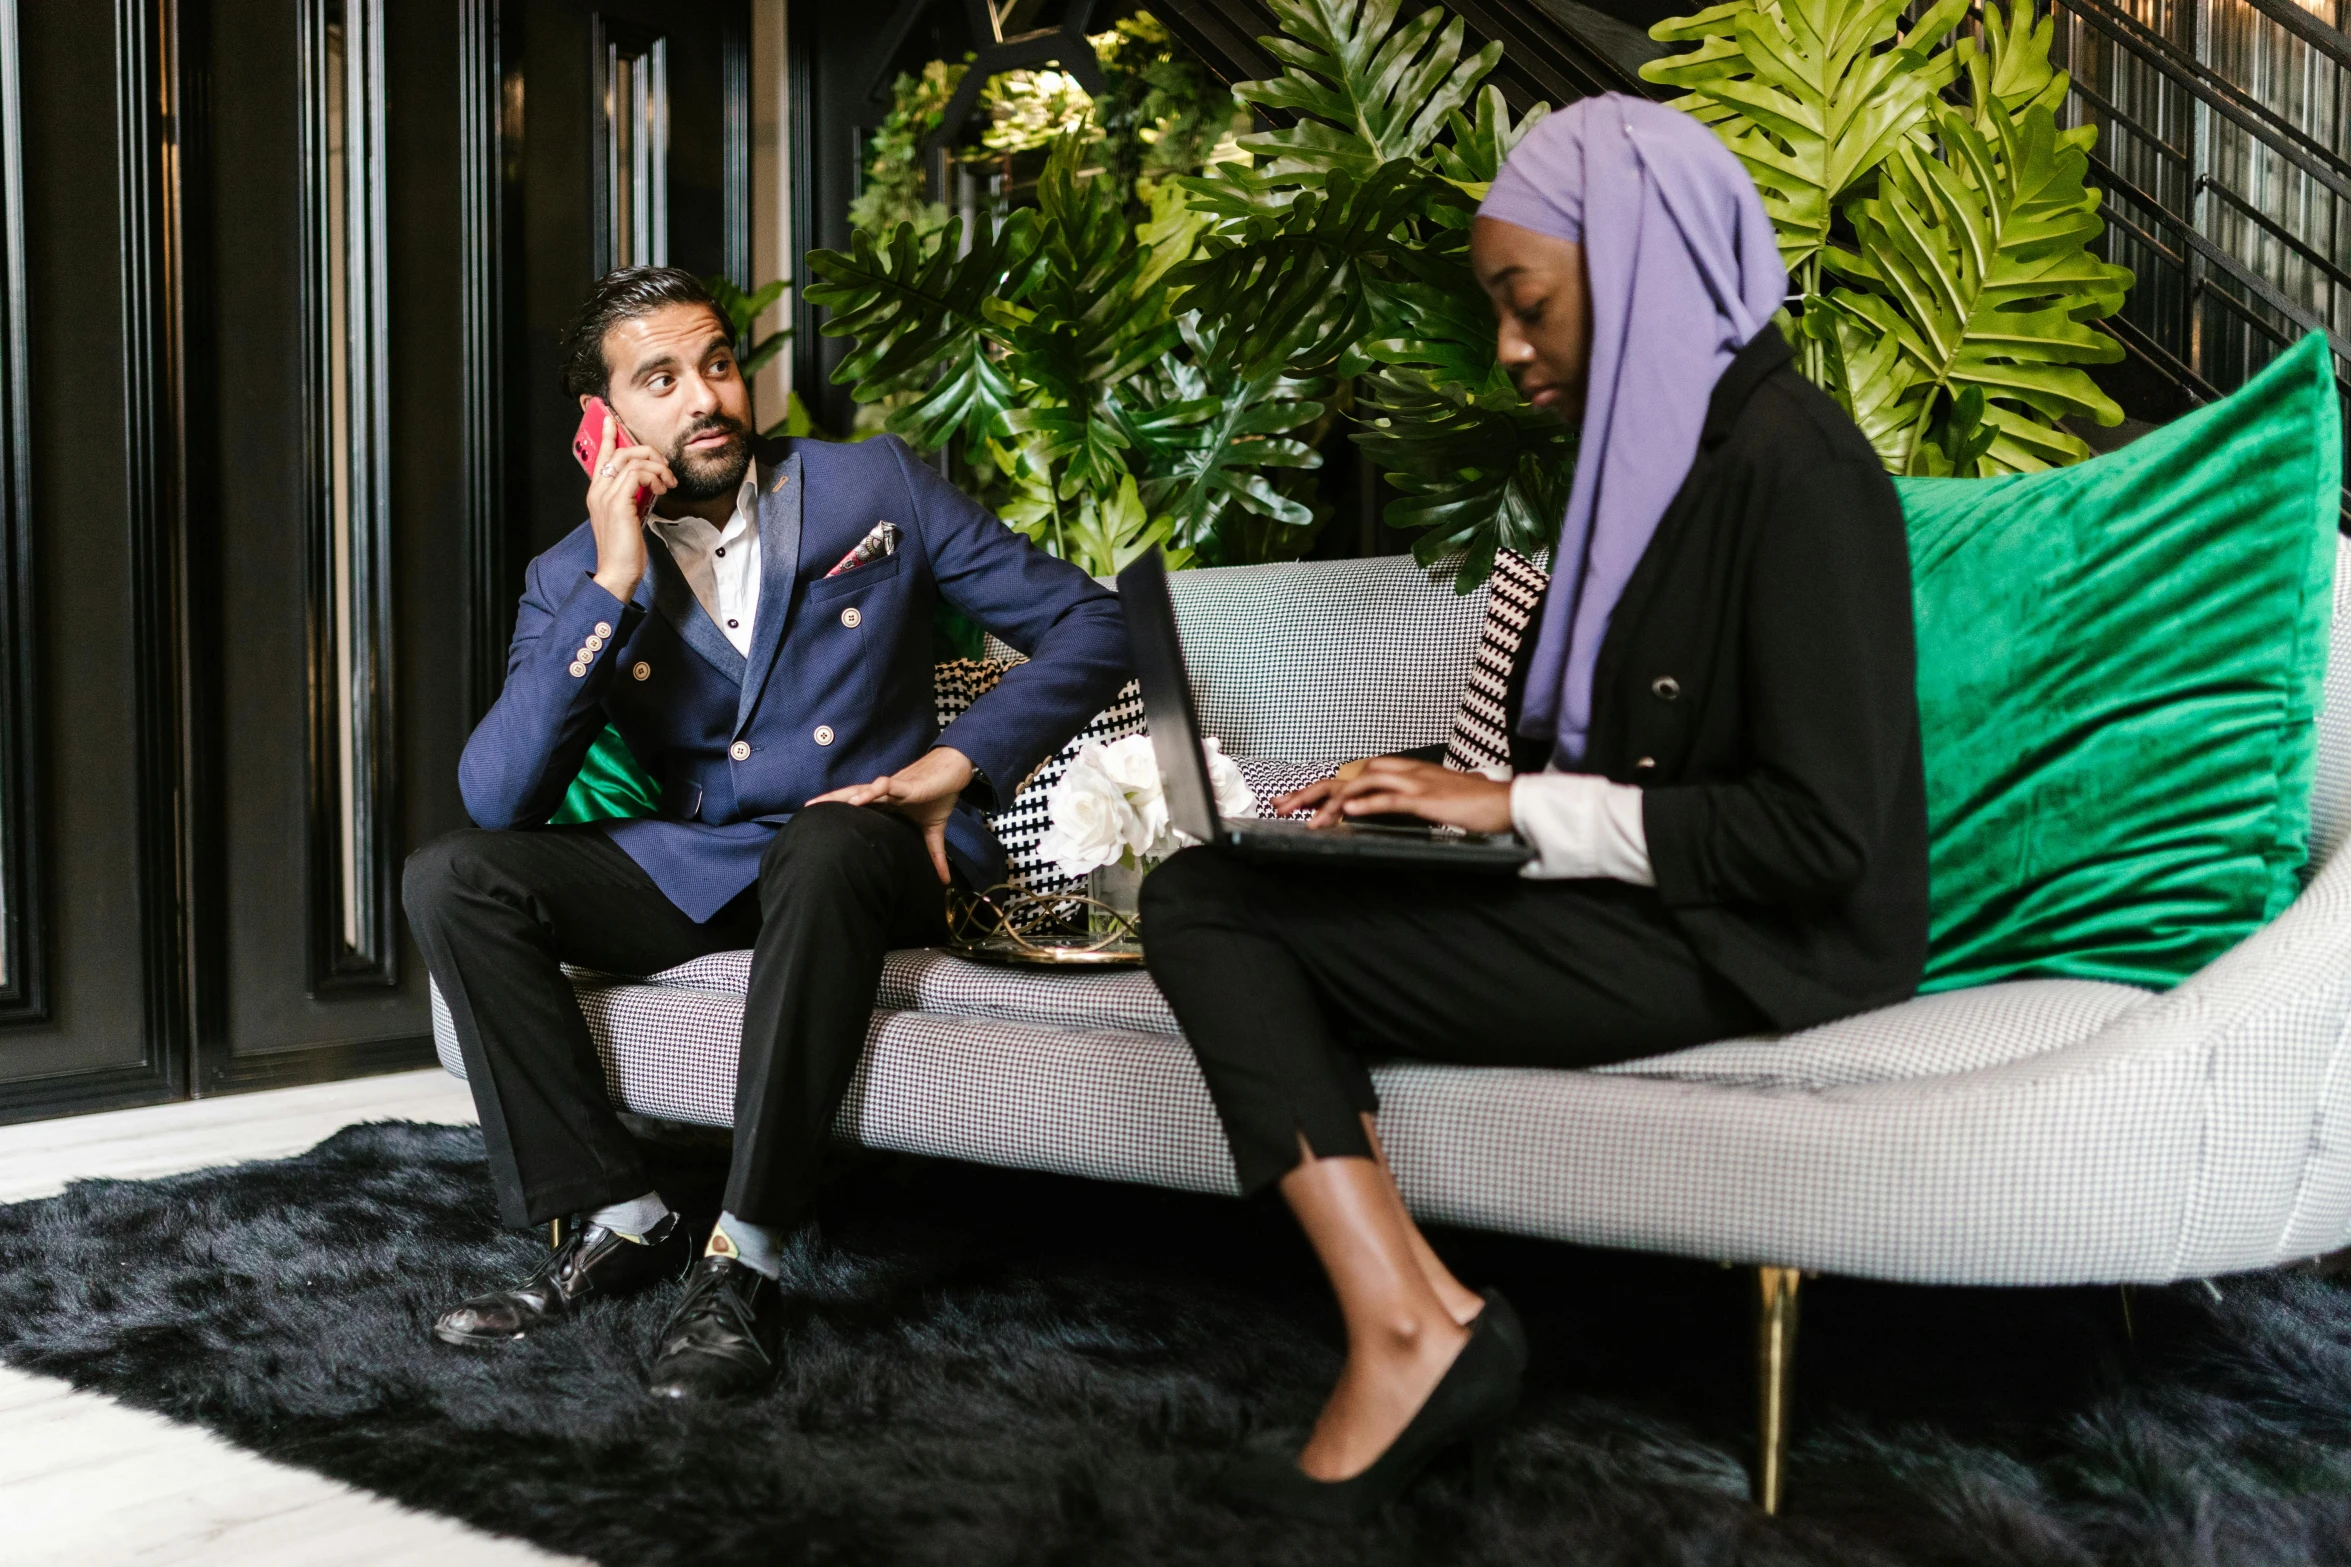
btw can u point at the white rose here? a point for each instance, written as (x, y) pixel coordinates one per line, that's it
(1111, 802)
(1224, 776)
(1130, 763)
(1090, 822)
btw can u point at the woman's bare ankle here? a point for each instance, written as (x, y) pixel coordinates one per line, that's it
(1405, 1339)
(1462, 1304)
(1389, 1375)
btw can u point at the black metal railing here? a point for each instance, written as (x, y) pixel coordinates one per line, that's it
(2223, 128)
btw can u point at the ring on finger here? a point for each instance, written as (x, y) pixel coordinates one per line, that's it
(606, 470)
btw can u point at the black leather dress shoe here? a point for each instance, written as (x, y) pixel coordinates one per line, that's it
(594, 1262)
(722, 1338)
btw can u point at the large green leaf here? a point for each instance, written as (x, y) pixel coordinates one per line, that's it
(1091, 320)
(1445, 334)
(1480, 143)
(1285, 286)
(1211, 436)
(911, 303)
(969, 399)
(1812, 95)
(742, 311)
(1469, 477)
(1979, 268)
(1367, 91)
(1112, 530)
(1867, 371)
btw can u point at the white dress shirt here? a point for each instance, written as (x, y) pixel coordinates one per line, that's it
(1581, 825)
(721, 565)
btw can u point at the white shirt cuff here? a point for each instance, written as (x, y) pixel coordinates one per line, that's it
(1581, 825)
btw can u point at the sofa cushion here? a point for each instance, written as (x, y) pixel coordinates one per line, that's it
(929, 979)
(1326, 660)
(2119, 668)
(1929, 1036)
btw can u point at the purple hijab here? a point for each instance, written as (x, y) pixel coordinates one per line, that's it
(1684, 271)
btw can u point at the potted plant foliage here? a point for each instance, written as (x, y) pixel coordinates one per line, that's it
(1109, 384)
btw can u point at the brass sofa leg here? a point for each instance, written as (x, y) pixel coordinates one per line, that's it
(1775, 1377)
(555, 1235)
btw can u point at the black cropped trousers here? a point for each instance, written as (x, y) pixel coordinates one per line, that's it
(1286, 979)
(498, 914)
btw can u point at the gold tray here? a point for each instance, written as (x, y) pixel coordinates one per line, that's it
(1076, 952)
(1032, 930)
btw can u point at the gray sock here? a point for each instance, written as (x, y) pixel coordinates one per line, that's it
(758, 1247)
(635, 1218)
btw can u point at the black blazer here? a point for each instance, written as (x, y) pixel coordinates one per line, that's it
(1758, 683)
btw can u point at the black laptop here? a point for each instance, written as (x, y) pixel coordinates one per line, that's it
(1191, 801)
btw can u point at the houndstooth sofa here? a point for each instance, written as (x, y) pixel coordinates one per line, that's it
(2039, 1132)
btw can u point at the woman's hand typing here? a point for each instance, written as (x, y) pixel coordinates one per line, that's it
(1393, 785)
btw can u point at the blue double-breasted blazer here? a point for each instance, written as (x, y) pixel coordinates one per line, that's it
(837, 688)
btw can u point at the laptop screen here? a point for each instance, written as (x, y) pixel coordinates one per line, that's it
(1167, 695)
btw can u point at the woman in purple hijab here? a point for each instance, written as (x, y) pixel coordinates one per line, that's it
(1718, 780)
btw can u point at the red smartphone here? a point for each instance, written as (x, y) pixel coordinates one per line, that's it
(588, 440)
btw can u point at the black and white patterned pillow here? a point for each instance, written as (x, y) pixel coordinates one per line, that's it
(1481, 738)
(1269, 780)
(1021, 825)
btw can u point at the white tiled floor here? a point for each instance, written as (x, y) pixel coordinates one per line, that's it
(85, 1482)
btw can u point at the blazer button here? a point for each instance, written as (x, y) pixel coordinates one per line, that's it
(594, 644)
(740, 750)
(604, 628)
(824, 734)
(643, 671)
(850, 617)
(1665, 688)
(578, 669)
(1645, 764)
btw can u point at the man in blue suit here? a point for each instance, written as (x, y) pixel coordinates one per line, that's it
(762, 640)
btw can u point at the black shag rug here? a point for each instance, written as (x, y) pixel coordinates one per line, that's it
(992, 1367)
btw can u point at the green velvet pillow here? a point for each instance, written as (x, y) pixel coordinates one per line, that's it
(610, 786)
(2119, 668)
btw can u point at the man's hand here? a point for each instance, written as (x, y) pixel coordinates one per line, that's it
(1391, 785)
(923, 793)
(612, 508)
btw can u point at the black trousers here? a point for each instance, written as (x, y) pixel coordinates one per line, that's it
(499, 913)
(1285, 979)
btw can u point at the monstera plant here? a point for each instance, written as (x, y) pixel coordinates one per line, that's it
(1937, 239)
(1051, 358)
(1341, 251)
(1110, 384)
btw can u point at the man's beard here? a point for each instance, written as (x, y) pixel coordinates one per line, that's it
(705, 476)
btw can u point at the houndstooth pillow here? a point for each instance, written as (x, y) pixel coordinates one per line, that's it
(1020, 826)
(1481, 738)
(1269, 780)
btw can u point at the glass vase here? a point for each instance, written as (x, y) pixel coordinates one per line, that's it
(1117, 891)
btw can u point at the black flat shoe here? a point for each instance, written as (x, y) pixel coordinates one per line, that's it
(594, 1262)
(722, 1338)
(1470, 1404)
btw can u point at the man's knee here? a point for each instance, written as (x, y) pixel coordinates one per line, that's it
(445, 869)
(830, 839)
